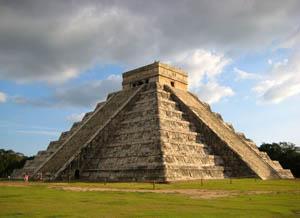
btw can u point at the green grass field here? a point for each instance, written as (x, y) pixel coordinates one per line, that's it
(243, 198)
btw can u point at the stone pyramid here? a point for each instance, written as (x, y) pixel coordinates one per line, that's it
(153, 129)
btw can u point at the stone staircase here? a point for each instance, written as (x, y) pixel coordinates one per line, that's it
(31, 165)
(257, 161)
(70, 143)
(186, 157)
(134, 152)
(154, 141)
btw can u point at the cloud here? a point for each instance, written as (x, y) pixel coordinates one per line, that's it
(55, 41)
(75, 117)
(60, 44)
(213, 92)
(291, 41)
(204, 65)
(2, 97)
(87, 94)
(82, 95)
(200, 63)
(43, 102)
(243, 75)
(39, 132)
(282, 82)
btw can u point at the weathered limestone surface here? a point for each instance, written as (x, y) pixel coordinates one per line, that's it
(257, 161)
(153, 129)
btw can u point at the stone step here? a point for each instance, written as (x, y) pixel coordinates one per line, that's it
(151, 110)
(273, 163)
(193, 160)
(41, 153)
(145, 101)
(141, 134)
(154, 111)
(186, 149)
(125, 163)
(134, 120)
(154, 121)
(75, 126)
(87, 115)
(173, 143)
(173, 114)
(180, 167)
(64, 136)
(180, 136)
(153, 93)
(163, 102)
(168, 104)
(285, 174)
(133, 142)
(276, 164)
(150, 133)
(173, 124)
(140, 113)
(147, 123)
(119, 156)
(141, 167)
(130, 150)
(42, 156)
(100, 104)
(53, 145)
(182, 173)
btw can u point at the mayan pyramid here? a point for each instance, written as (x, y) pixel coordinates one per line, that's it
(152, 130)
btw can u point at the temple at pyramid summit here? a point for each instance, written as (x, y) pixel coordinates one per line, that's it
(154, 129)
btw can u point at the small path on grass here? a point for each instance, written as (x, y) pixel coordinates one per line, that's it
(193, 193)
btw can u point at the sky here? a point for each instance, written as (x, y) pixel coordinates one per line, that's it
(59, 58)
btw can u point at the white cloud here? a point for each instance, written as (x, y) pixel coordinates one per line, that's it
(75, 117)
(3, 97)
(282, 81)
(39, 132)
(243, 75)
(270, 61)
(200, 63)
(213, 92)
(204, 65)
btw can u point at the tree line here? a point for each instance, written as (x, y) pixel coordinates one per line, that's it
(10, 160)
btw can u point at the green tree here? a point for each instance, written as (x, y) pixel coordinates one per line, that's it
(286, 153)
(10, 160)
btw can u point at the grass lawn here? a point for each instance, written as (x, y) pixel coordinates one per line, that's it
(253, 198)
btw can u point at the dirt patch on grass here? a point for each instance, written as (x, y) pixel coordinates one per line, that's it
(193, 193)
(14, 184)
